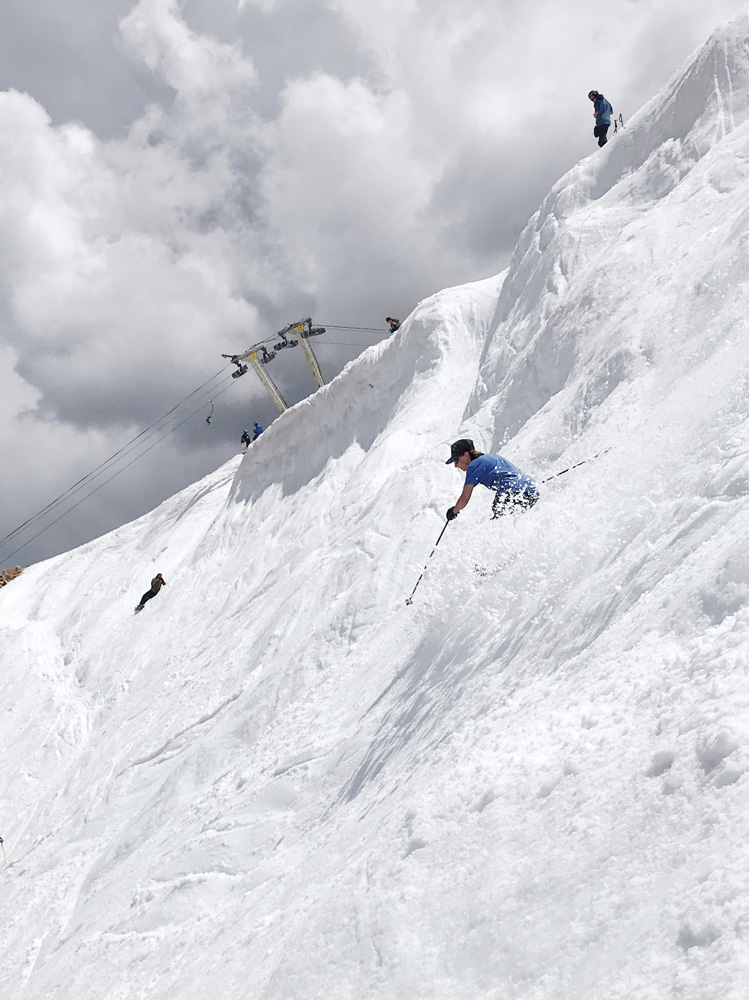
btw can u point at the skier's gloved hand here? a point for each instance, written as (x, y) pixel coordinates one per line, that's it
(452, 513)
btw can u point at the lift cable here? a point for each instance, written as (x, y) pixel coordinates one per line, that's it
(368, 329)
(342, 343)
(117, 456)
(115, 474)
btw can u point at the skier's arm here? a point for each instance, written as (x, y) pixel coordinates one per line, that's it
(464, 497)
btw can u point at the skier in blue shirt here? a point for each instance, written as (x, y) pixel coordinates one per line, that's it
(257, 430)
(602, 112)
(515, 492)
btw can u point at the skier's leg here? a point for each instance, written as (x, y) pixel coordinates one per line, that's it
(502, 505)
(147, 597)
(511, 503)
(524, 501)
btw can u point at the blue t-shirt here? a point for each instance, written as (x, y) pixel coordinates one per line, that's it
(496, 473)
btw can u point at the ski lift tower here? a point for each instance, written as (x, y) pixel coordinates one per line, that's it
(306, 330)
(258, 357)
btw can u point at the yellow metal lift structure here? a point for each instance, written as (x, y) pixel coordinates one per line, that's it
(258, 357)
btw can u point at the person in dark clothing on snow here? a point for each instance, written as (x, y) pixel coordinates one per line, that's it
(394, 324)
(257, 430)
(602, 112)
(156, 584)
(245, 440)
(515, 492)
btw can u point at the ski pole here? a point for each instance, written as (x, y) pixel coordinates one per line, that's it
(411, 598)
(2, 844)
(575, 466)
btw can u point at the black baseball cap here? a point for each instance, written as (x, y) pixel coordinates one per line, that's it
(459, 448)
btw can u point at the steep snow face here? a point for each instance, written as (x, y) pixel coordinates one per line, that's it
(279, 781)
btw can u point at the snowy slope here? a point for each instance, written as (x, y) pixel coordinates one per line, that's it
(280, 782)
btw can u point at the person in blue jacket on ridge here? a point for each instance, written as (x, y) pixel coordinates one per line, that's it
(257, 430)
(602, 111)
(515, 492)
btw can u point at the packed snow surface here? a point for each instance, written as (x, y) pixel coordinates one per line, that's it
(279, 781)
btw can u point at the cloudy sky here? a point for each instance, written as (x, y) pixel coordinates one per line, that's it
(182, 179)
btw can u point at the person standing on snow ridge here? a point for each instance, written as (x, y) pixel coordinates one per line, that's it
(515, 492)
(257, 430)
(156, 584)
(394, 324)
(602, 112)
(245, 440)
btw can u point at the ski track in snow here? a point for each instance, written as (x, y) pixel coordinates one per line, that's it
(278, 781)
